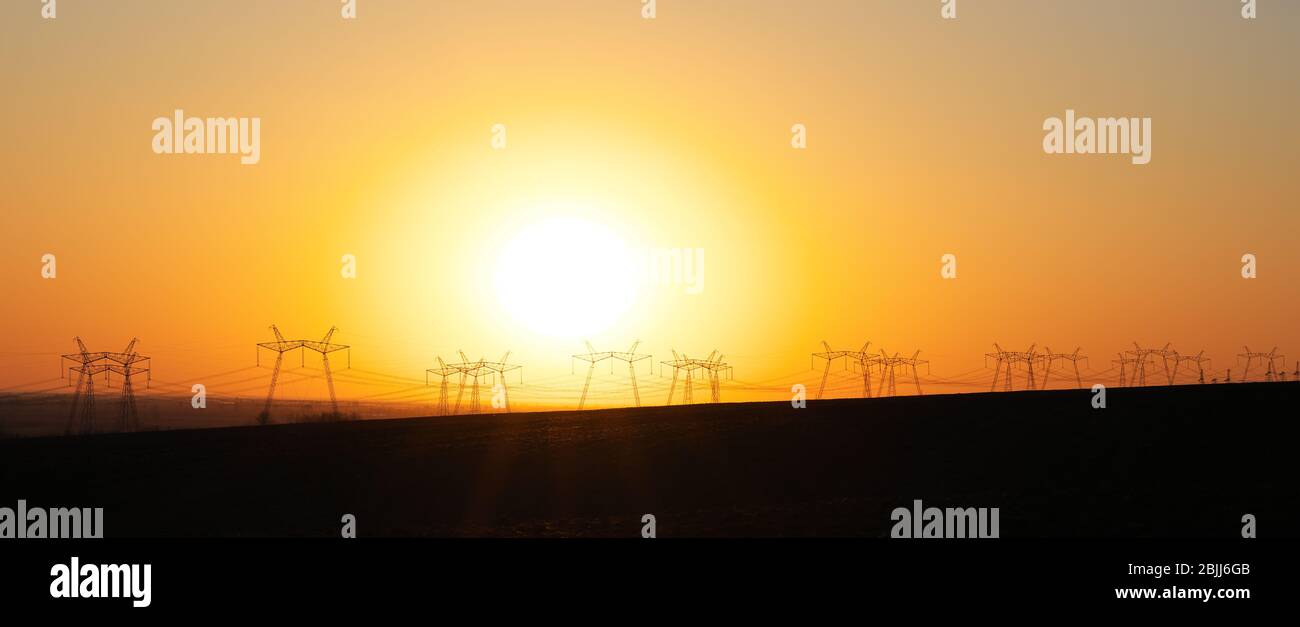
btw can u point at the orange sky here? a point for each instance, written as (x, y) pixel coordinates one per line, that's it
(924, 138)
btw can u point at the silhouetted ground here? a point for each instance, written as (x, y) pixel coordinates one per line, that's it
(1183, 461)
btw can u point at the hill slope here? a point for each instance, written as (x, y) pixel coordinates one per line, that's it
(1182, 461)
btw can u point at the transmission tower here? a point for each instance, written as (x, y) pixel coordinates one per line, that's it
(1199, 359)
(474, 372)
(829, 356)
(127, 363)
(1049, 358)
(468, 370)
(861, 360)
(888, 366)
(442, 371)
(1123, 362)
(498, 369)
(680, 364)
(864, 361)
(716, 369)
(713, 365)
(1167, 356)
(1270, 358)
(592, 357)
(1141, 355)
(88, 364)
(282, 346)
(1007, 361)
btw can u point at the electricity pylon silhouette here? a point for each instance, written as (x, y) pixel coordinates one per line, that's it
(890, 364)
(1199, 359)
(1123, 362)
(474, 371)
(83, 399)
(829, 356)
(1140, 356)
(713, 365)
(1168, 356)
(282, 346)
(126, 363)
(631, 357)
(325, 348)
(679, 364)
(1049, 358)
(592, 357)
(443, 371)
(716, 367)
(1006, 361)
(864, 359)
(498, 369)
(1269, 358)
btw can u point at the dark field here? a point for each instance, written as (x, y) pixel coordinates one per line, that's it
(1183, 461)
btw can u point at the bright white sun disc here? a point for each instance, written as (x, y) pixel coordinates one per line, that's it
(566, 277)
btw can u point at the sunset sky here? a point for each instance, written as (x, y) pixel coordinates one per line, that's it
(924, 137)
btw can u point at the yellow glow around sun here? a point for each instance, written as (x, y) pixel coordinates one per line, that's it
(566, 277)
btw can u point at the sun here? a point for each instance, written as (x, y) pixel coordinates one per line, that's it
(566, 277)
